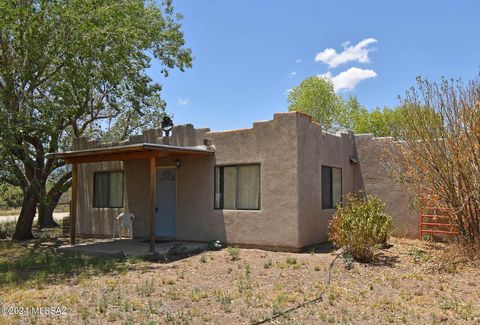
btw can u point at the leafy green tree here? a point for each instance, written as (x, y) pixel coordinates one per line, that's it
(352, 113)
(75, 68)
(316, 97)
(10, 196)
(388, 122)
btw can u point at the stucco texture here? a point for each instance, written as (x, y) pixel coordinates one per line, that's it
(273, 145)
(317, 149)
(93, 221)
(378, 181)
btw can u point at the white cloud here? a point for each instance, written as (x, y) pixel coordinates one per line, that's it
(183, 101)
(298, 61)
(358, 53)
(292, 74)
(349, 79)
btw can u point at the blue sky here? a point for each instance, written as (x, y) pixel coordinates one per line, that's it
(249, 53)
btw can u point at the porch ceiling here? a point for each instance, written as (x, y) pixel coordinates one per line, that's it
(128, 152)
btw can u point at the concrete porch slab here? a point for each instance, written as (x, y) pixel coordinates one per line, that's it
(132, 248)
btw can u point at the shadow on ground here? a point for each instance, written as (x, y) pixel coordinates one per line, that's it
(382, 259)
(43, 262)
(323, 248)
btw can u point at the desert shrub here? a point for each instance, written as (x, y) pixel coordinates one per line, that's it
(437, 158)
(234, 253)
(360, 226)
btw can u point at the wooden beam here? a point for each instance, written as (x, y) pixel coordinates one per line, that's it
(73, 206)
(128, 149)
(140, 155)
(153, 187)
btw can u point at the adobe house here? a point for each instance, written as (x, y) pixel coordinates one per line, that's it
(273, 186)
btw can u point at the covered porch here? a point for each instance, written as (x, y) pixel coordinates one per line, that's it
(150, 154)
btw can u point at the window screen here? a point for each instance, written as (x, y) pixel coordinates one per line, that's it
(237, 187)
(108, 190)
(331, 187)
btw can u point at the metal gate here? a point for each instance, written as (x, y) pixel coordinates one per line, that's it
(436, 220)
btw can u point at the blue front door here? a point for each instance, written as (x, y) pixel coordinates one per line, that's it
(166, 202)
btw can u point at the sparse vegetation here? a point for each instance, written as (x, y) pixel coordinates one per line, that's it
(404, 285)
(47, 265)
(291, 260)
(233, 252)
(417, 254)
(146, 288)
(244, 284)
(268, 264)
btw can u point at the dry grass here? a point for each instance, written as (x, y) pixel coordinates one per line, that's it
(404, 285)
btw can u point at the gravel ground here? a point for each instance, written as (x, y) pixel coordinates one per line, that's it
(411, 282)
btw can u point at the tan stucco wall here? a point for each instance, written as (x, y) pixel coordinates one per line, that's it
(379, 182)
(273, 144)
(93, 221)
(137, 184)
(290, 149)
(316, 149)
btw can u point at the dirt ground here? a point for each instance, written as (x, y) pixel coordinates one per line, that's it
(411, 282)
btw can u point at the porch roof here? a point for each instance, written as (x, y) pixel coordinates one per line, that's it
(128, 152)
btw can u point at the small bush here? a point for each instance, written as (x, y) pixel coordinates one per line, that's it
(291, 260)
(268, 264)
(234, 253)
(360, 226)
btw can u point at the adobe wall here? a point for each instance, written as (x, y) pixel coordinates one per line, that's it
(316, 149)
(92, 221)
(378, 181)
(273, 144)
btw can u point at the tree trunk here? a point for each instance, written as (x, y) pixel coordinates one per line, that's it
(23, 228)
(45, 215)
(49, 202)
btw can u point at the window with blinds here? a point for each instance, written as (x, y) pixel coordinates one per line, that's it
(237, 187)
(331, 187)
(108, 189)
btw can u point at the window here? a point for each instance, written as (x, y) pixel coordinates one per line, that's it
(108, 190)
(237, 187)
(331, 187)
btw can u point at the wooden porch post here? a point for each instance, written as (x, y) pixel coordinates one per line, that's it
(73, 207)
(153, 178)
